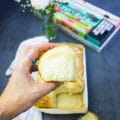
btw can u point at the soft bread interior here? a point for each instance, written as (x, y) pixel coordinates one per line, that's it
(68, 101)
(58, 64)
(70, 94)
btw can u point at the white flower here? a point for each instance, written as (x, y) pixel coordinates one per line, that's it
(17, 1)
(39, 4)
(62, 1)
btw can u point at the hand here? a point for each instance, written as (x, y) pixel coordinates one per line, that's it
(22, 91)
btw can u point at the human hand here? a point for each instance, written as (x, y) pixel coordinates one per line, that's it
(22, 91)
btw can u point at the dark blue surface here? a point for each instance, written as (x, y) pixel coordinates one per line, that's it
(102, 68)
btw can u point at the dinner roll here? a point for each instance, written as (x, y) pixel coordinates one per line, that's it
(58, 64)
(89, 116)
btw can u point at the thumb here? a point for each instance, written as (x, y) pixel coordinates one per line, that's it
(45, 88)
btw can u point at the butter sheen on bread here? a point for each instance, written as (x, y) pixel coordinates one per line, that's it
(58, 64)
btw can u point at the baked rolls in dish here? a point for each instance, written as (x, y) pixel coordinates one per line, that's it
(58, 64)
(69, 96)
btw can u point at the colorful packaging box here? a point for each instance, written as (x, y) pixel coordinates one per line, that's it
(77, 27)
(87, 23)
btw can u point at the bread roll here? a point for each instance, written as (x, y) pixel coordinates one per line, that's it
(89, 116)
(70, 95)
(58, 64)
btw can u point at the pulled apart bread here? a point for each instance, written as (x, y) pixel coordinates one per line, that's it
(63, 63)
(58, 64)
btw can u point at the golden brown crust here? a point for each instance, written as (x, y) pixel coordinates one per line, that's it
(44, 102)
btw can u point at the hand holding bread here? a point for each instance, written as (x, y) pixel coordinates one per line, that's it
(22, 91)
(56, 63)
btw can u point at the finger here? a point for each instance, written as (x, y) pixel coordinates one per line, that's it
(45, 88)
(47, 47)
(21, 54)
(34, 53)
(23, 50)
